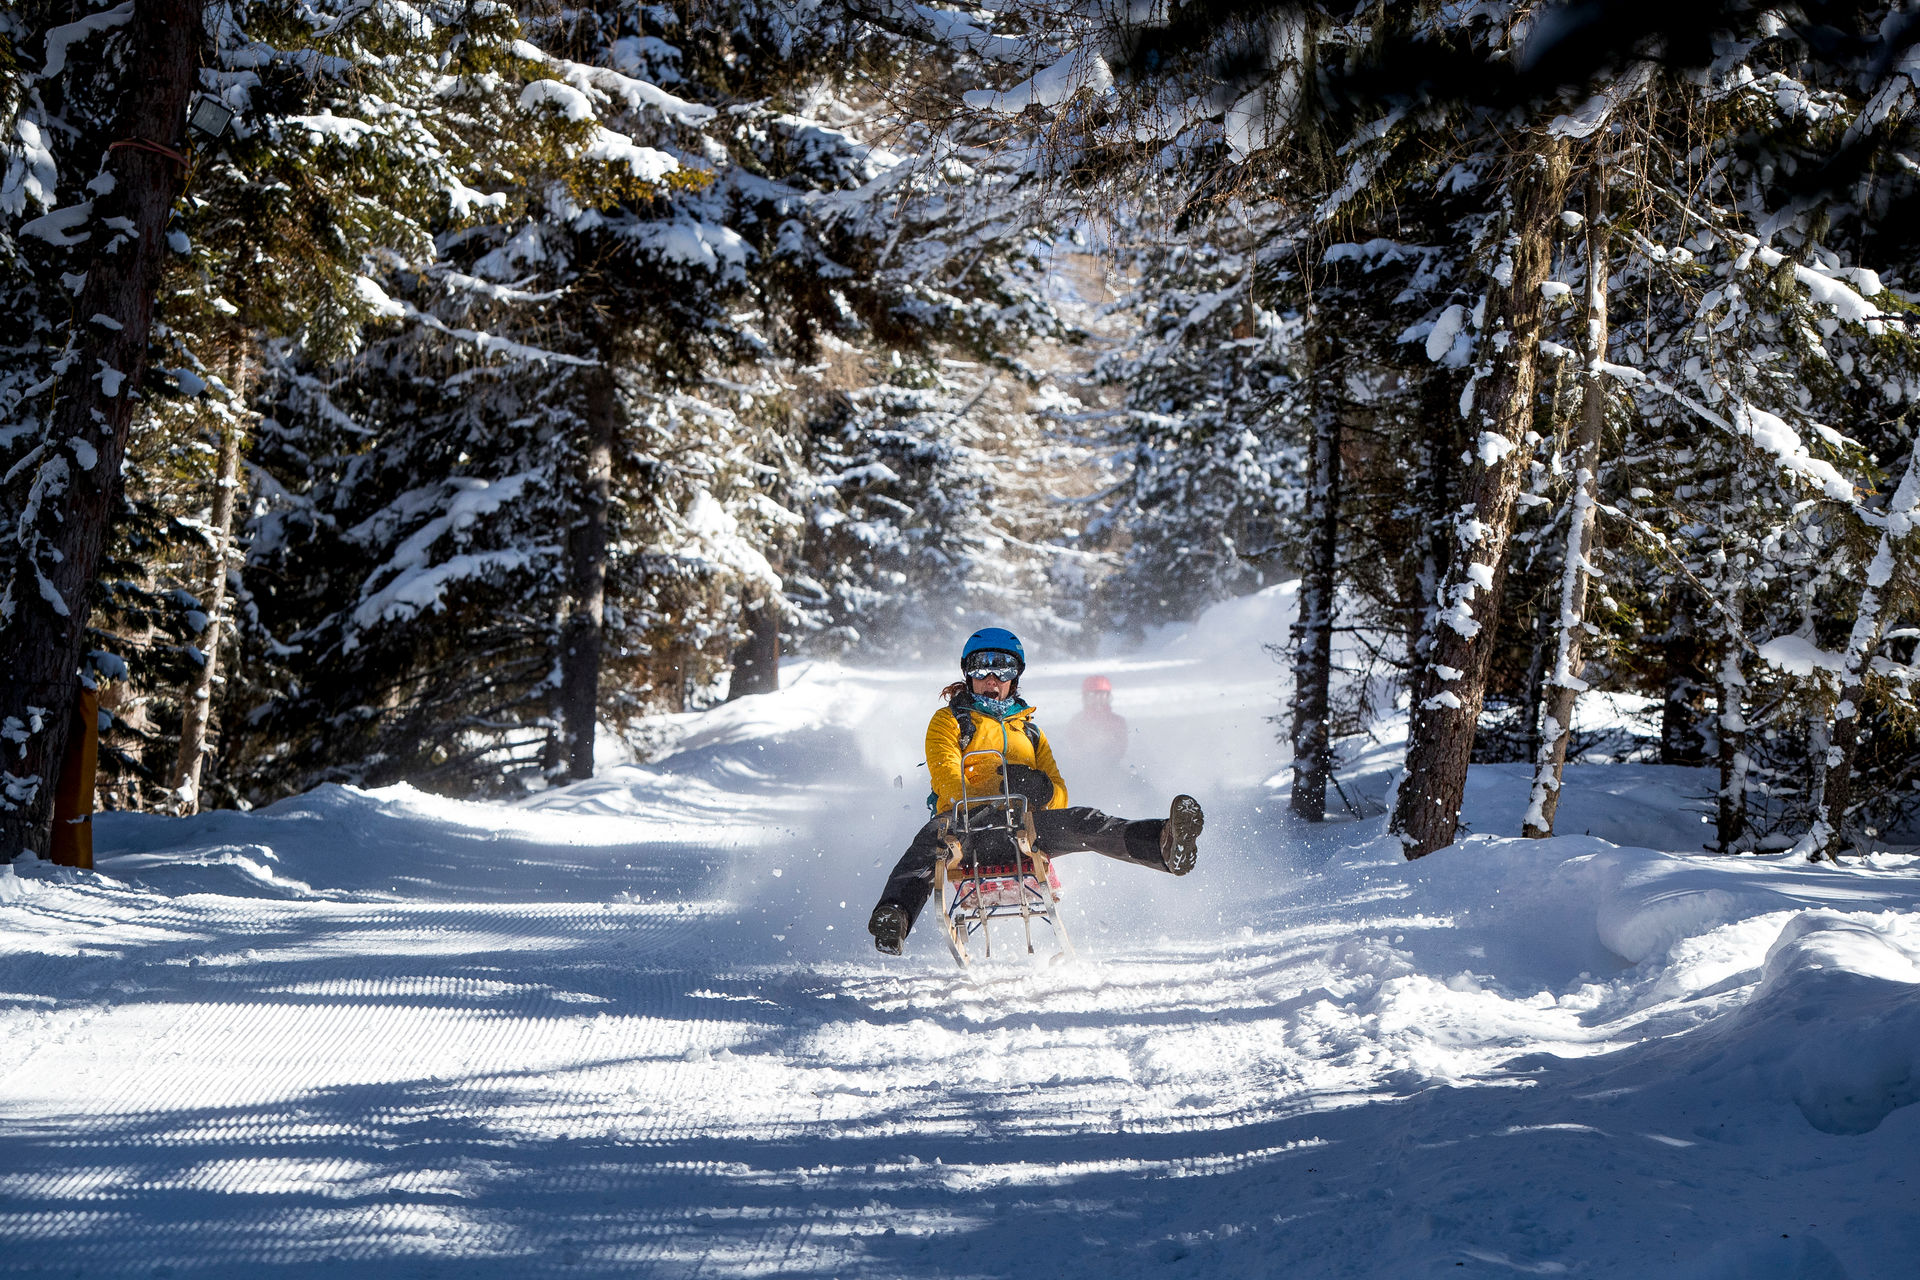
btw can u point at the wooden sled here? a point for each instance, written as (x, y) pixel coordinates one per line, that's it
(989, 870)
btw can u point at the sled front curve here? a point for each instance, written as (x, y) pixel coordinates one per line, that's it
(989, 870)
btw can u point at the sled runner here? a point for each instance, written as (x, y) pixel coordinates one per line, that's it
(991, 871)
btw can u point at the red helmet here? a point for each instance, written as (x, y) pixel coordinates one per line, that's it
(1096, 684)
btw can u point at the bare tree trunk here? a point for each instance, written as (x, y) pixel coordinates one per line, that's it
(1819, 740)
(1437, 483)
(1534, 697)
(756, 660)
(185, 781)
(679, 659)
(1564, 684)
(1313, 654)
(1863, 644)
(1441, 477)
(582, 639)
(76, 482)
(1731, 819)
(1457, 647)
(1681, 712)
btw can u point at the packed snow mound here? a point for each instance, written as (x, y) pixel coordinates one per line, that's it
(1832, 1025)
(12, 887)
(1796, 1003)
(1824, 1013)
(1650, 903)
(1840, 992)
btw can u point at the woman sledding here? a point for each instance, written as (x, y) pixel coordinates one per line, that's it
(986, 710)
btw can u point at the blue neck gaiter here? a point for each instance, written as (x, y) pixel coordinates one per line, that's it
(998, 708)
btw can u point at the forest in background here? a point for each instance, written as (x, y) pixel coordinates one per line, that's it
(508, 369)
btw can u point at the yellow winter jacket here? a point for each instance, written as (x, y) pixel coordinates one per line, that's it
(989, 734)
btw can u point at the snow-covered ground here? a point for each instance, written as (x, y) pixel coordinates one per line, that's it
(636, 1027)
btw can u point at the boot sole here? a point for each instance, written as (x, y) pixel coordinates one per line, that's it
(1184, 821)
(888, 925)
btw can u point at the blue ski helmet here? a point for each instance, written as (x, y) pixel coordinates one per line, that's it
(993, 640)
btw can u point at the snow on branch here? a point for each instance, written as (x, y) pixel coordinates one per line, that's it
(60, 39)
(60, 228)
(487, 289)
(1592, 115)
(1361, 172)
(1894, 99)
(1772, 435)
(382, 304)
(647, 164)
(929, 25)
(1833, 287)
(1048, 87)
(691, 242)
(1797, 655)
(712, 536)
(635, 93)
(327, 125)
(413, 583)
(1766, 431)
(31, 174)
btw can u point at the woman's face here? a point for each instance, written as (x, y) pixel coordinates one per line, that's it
(991, 686)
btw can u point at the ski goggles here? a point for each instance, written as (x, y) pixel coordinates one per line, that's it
(998, 665)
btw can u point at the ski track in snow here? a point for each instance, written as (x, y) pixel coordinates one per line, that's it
(636, 1027)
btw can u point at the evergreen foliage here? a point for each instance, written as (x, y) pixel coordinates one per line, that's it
(564, 346)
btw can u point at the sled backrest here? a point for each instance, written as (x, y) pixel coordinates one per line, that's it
(1000, 811)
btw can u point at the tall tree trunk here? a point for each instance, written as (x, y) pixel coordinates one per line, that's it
(76, 484)
(1564, 684)
(1439, 479)
(1534, 698)
(756, 659)
(1818, 837)
(1457, 647)
(1313, 653)
(679, 659)
(187, 766)
(1681, 711)
(1863, 645)
(1730, 822)
(1435, 483)
(583, 637)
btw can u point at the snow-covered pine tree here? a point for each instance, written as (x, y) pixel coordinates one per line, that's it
(94, 164)
(1745, 339)
(317, 173)
(335, 155)
(432, 489)
(938, 500)
(637, 322)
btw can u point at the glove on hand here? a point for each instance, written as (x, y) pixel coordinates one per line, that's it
(1025, 780)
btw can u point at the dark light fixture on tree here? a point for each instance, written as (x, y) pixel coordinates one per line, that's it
(209, 119)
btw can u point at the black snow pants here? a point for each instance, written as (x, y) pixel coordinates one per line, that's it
(1056, 831)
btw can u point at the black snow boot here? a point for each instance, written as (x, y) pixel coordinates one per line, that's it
(888, 925)
(1180, 838)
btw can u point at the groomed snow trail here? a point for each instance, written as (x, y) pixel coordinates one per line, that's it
(636, 1027)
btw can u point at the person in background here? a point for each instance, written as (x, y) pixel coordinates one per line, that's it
(1098, 735)
(984, 712)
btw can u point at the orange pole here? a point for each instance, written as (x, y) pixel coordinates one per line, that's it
(72, 844)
